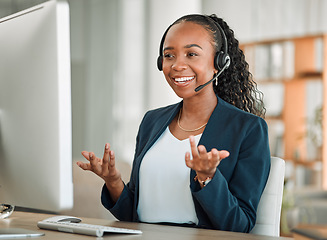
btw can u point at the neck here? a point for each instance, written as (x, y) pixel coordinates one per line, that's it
(194, 116)
(199, 108)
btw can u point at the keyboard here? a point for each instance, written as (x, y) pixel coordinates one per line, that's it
(84, 228)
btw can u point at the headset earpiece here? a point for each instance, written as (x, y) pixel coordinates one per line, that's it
(159, 63)
(221, 59)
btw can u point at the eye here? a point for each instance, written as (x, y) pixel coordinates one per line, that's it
(168, 55)
(192, 54)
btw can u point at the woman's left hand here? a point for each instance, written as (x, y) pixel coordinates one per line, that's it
(204, 163)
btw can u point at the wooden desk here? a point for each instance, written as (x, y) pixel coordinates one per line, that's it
(150, 231)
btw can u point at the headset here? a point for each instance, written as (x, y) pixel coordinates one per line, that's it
(221, 59)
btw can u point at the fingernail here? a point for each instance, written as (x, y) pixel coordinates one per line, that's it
(192, 138)
(107, 146)
(202, 148)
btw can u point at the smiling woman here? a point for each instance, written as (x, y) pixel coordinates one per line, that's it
(202, 162)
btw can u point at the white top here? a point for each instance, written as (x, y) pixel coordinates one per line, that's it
(164, 193)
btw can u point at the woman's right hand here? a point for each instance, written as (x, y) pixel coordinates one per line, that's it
(106, 169)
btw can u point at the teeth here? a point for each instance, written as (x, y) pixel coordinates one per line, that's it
(183, 79)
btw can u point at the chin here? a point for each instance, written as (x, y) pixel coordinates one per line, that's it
(185, 94)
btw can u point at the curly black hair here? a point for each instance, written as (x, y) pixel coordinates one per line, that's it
(236, 85)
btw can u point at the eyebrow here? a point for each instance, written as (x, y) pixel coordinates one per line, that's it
(186, 46)
(192, 45)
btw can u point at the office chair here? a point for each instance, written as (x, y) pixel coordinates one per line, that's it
(269, 208)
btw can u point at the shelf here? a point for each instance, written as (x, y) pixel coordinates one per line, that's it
(310, 163)
(292, 74)
(311, 75)
(299, 77)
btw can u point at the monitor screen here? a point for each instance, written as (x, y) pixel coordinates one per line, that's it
(35, 108)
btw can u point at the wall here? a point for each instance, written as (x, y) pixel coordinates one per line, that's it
(114, 69)
(254, 20)
(114, 47)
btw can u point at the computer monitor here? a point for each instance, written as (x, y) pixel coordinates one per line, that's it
(35, 108)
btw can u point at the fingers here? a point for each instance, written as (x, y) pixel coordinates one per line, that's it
(104, 167)
(199, 151)
(217, 156)
(194, 149)
(223, 154)
(203, 161)
(112, 159)
(85, 154)
(202, 152)
(84, 166)
(188, 160)
(95, 163)
(106, 156)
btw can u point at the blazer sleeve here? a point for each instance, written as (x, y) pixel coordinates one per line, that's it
(123, 208)
(231, 204)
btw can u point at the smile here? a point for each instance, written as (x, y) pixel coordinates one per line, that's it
(183, 79)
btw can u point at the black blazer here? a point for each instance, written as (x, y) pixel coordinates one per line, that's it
(230, 200)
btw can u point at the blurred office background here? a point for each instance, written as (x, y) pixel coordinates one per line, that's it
(114, 46)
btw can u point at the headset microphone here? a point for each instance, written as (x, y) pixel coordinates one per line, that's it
(214, 78)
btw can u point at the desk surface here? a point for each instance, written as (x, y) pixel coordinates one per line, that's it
(150, 231)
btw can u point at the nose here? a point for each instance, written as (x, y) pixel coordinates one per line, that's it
(179, 64)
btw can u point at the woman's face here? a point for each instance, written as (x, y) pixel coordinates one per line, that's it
(188, 58)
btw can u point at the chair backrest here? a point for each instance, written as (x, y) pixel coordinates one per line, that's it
(269, 208)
